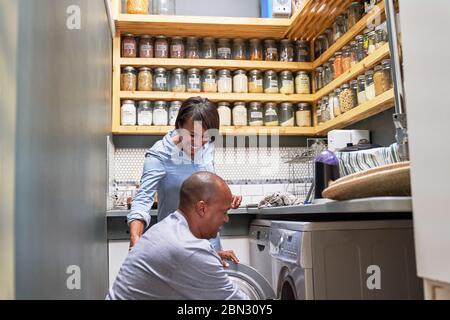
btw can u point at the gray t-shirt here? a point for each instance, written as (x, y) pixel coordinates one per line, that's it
(169, 262)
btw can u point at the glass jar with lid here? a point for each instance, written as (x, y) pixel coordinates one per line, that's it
(319, 78)
(360, 52)
(164, 7)
(173, 111)
(303, 114)
(331, 105)
(255, 50)
(381, 38)
(353, 52)
(146, 47)
(144, 113)
(336, 102)
(255, 114)
(161, 47)
(270, 50)
(271, 114)
(370, 86)
(339, 27)
(378, 76)
(224, 49)
(361, 93)
(286, 82)
(225, 82)
(355, 12)
(347, 98)
(255, 82)
(319, 112)
(240, 82)
(145, 79)
(302, 51)
(346, 59)
(327, 73)
(354, 87)
(209, 48)
(161, 80)
(329, 34)
(239, 114)
(209, 82)
(286, 50)
(128, 79)
(372, 42)
(387, 79)
(137, 7)
(325, 110)
(338, 68)
(287, 118)
(178, 80)
(224, 111)
(320, 45)
(331, 64)
(193, 83)
(271, 82)
(192, 48)
(128, 113)
(129, 46)
(177, 48)
(239, 49)
(160, 113)
(302, 83)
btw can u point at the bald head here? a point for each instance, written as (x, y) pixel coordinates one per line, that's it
(202, 186)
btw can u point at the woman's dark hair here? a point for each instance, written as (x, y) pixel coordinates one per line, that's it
(198, 109)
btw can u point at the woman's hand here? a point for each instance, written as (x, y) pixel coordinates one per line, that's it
(136, 230)
(227, 255)
(236, 202)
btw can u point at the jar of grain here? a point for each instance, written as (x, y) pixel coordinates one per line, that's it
(287, 115)
(225, 83)
(192, 48)
(286, 50)
(209, 48)
(303, 115)
(128, 79)
(270, 82)
(301, 51)
(361, 89)
(387, 79)
(240, 82)
(160, 114)
(370, 86)
(129, 46)
(239, 49)
(224, 111)
(347, 98)
(302, 83)
(177, 50)
(193, 84)
(239, 114)
(161, 81)
(146, 47)
(128, 113)
(224, 49)
(270, 114)
(381, 38)
(145, 79)
(270, 50)
(255, 114)
(209, 82)
(255, 50)
(372, 42)
(173, 111)
(378, 79)
(161, 47)
(178, 80)
(137, 7)
(144, 113)
(336, 102)
(255, 82)
(286, 82)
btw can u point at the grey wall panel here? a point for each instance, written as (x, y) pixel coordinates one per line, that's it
(222, 8)
(63, 119)
(381, 126)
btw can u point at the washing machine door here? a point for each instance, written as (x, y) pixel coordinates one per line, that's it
(250, 281)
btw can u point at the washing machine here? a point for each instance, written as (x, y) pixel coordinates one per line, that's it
(260, 258)
(344, 260)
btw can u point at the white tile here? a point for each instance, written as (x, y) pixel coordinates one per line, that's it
(252, 190)
(246, 200)
(256, 199)
(271, 188)
(235, 189)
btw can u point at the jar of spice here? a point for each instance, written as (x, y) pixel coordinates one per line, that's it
(255, 82)
(286, 82)
(193, 84)
(336, 102)
(381, 38)
(177, 48)
(370, 86)
(372, 42)
(192, 48)
(145, 79)
(303, 115)
(128, 79)
(378, 78)
(287, 115)
(137, 7)
(361, 89)
(270, 114)
(270, 50)
(319, 78)
(161, 47)
(331, 105)
(224, 113)
(146, 47)
(360, 52)
(286, 50)
(161, 80)
(240, 82)
(302, 51)
(255, 50)
(128, 113)
(224, 49)
(255, 114)
(239, 49)
(387, 79)
(353, 49)
(270, 82)
(209, 82)
(338, 68)
(346, 98)
(129, 46)
(302, 83)
(239, 114)
(144, 113)
(173, 111)
(160, 114)
(346, 59)
(209, 48)
(225, 83)
(178, 80)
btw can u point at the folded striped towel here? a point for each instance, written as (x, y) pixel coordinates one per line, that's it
(279, 199)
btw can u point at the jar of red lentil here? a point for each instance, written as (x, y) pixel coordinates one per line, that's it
(146, 47)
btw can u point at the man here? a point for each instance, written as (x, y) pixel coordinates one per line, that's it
(174, 259)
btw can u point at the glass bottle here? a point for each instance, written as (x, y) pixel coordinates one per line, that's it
(145, 79)
(303, 115)
(239, 49)
(128, 113)
(270, 50)
(270, 114)
(225, 82)
(224, 49)
(240, 82)
(144, 113)
(302, 51)
(160, 114)
(161, 81)
(255, 114)
(286, 82)
(255, 50)
(287, 115)
(192, 48)
(146, 47)
(173, 112)
(302, 83)
(193, 84)
(209, 48)
(161, 47)
(286, 50)
(270, 82)
(224, 111)
(209, 82)
(255, 82)
(129, 46)
(177, 48)
(331, 64)
(178, 80)
(128, 79)
(239, 114)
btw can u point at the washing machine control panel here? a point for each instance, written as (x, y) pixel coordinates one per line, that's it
(285, 244)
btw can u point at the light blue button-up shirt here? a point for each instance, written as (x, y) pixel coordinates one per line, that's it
(166, 167)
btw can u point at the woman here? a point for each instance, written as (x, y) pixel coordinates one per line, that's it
(173, 159)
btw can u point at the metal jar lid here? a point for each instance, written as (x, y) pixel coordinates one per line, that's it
(255, 104)
(270, 72)
(224, 104)
(239, 72)
(178, 70)
(345, 86)
(146, 36)
(177, 38)
(145, 103)
(302, 73)
(286, 105)
(286, 73)
(128, 69)
(255, 72)
(160, 70)
(159, 104)
(194, 70)
(145, 69)
(128, 102)
(286, 42)
(240, 103)
(224, 72)
(270, 104)
(175, 104)
(304, 106)
(161, 37)
(130, 35)
(211, 71)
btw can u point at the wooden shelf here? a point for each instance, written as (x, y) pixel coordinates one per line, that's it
(216, 97)
(381, 103)
(217, 64)
(376, 13)
(361, 67)
(225, 130)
